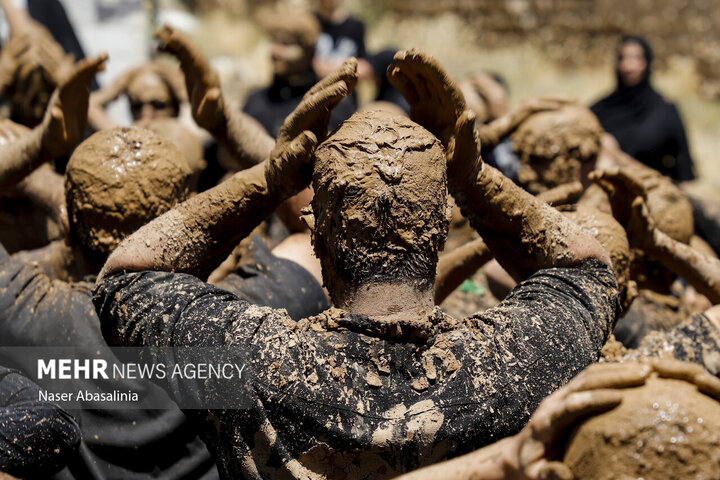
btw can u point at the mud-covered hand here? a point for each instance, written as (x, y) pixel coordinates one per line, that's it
(437, 103)
(202, 81)
(534, 454)
(289, 169)
(641, 228)
(622, 186)
(66, 115)
(690, 372)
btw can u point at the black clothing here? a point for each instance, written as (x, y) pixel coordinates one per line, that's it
(695, 340)
(341, 396)
(133, 443)
(386, 91)
(270, 106)
(264, 279)
(648, 313)
(339, 41)
(647, 127)
(36, 438)
(51, 14)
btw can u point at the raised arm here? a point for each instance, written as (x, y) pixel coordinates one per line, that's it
(197, 235)
(699, 270)
(491, 134)
(60, 130)
(524, 233)
(236, 131)
(456, 266)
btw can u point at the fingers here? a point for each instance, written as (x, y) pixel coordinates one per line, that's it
(287, 171)
(86, 68)
(404, 85)
(615, 178)
(430, 80)
(173, 42)
(580, 405)
(610, 375)
(640, 211)
(708, 384)
(313, 112)
(464, 145)
(208, 105)
(192, 62)
(689, 372)
(544, 470)
(347, 73)
(465, 126)
(301, 148)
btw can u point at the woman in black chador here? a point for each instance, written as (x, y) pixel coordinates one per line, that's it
(646, 125)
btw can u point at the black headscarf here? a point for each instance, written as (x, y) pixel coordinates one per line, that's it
(627, 105)
(646, 126)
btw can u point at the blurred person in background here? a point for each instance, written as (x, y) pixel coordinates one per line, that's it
(293, 34)
(341, 36)
(647, 126)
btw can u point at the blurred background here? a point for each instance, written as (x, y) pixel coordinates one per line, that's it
(537, 46)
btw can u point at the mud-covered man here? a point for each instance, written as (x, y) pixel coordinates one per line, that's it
(384, 382)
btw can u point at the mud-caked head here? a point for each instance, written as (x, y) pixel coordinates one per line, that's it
(666, 428)
(557, 147)
(380, 204)
(117, 181)
(155, 90)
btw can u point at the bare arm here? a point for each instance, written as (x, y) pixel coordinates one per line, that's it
(60, 130)
(197, 235)
(491, 134)
(240, 134)
(456, 266)
(699, 270)
(46, 189)
(524, 233)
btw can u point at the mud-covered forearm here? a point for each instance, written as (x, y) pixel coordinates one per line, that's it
(19, 158)
(456, 266)
(45, 188)
(493, 133)
(524, 233)
(197, 235)
(488, 463)
(244, 137)
(700, 271)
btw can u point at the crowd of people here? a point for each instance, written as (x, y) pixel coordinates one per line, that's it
(315, 237)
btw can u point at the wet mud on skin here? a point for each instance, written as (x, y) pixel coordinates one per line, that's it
(370, 178)
(664, 426)
(109, 190)
(612, 236)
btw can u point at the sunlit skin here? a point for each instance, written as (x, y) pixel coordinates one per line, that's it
(631, 64)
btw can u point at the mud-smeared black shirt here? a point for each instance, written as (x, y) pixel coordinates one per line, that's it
(37, 438)
(340, 396)
(264, 279)
(37, 311)
(697, 339)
